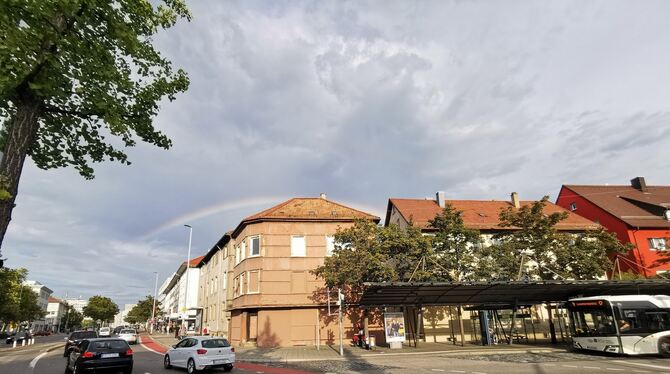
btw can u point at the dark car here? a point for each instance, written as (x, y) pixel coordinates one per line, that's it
(19, 337)
(75, 338)
(93, 355)
(118, 329)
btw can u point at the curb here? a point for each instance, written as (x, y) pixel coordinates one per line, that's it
(55, 347)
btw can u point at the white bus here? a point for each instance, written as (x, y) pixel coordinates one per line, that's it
(630, 324)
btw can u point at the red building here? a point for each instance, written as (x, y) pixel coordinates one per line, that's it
(638, 214)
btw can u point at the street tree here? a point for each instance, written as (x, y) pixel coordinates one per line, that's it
(18, 303)
(456, 247)
(101, 308)
(142, 312)
(72, 319)
(74, 73)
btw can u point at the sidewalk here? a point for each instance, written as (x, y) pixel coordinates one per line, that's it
(331, 353)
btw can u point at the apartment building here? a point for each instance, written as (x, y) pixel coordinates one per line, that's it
(638, 214)
(276, 301)
(214, 295)
(180, 296)
(56, 310)
(43, 293)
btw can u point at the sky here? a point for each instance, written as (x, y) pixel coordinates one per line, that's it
(362, 100)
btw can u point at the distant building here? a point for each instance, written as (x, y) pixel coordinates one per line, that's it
(637, 213)
(177, 307)
(43, 293)
(56, 310)
(214, 295)
(78, 304)
(120, 317)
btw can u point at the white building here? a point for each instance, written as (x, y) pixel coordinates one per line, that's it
(78, 304)
(173, 293)
(56, 310)
(43, 292)
(120, 317)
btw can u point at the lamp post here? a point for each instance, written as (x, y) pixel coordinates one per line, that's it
(153, 310)
(188, 265)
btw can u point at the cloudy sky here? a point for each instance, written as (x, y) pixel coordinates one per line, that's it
(363, 101)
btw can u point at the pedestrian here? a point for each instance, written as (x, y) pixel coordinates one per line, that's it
(361, 336)
(205, 331)
(176, 333)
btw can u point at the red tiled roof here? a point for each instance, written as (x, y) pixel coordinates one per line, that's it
(194, 261)
(628, 203)
(54, 300)
(307, 209)
(478, 214)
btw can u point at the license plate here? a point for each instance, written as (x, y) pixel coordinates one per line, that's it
(109, 355)
(220, 361)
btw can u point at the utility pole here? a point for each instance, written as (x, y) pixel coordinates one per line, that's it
(340, 298)
(188, 266)
(153, 311)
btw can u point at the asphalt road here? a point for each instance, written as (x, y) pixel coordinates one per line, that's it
(36, 360)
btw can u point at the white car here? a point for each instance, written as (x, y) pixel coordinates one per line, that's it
(104, 331)
(200, 353)
(129, 335)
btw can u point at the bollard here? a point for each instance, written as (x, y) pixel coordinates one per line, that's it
(23, 343)
(14, 345)
(32, 341)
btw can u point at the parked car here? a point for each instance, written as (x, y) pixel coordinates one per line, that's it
(19, 337)
(105, 332)
(75, 338)
(42, 333)
(200, 353)
(100, 354)
(129, 335)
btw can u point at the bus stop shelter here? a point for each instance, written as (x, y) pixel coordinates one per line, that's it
(505, 294)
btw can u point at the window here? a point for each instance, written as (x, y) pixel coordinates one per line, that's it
(298, 247)
(573, 206)
(254, 281)
(236, 287)
(657, 244)
(223, 282)
(242, 284)
(237, 254)
(254, 246)
(330, 245)
(244, 249)
(216, 284)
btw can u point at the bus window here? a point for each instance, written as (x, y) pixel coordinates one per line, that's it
(658, 321)
(592, 322)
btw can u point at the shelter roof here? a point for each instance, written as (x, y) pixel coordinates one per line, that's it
(448, 293)
(478, 214)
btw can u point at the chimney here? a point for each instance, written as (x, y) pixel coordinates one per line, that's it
(439, 198)
(639, 183)
(515, 200)
(323, 196)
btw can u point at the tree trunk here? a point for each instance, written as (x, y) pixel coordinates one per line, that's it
(20, 137)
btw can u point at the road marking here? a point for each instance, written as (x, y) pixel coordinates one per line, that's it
(457, 371)
(34, 361)
(437, 369)
(641, 364)
(614, 369)
(640, 371)
(592, 367)
(570, 366)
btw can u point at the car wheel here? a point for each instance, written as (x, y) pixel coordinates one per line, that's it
(75, 368)
(166, 362)
(228, 367)
(67, 366)
(664, 347)
(190, 367)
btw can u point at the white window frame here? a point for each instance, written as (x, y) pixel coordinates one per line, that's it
(304, 247)
(244, 249)
(258, 281)
(654, 244)
(237, 254)
(242, 275)
(251, 247)
(330, 245)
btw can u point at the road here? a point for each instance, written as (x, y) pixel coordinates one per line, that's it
(36, 360)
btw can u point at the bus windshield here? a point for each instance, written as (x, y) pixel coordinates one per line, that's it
(592, 318)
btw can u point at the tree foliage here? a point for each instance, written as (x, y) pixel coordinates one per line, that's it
(79, 79)
(72, 319)
(18, 303)
(101, 308)
(142, 312)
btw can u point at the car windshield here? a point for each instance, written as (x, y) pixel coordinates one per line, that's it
(215, 343)
(104, 345)
(83, 335)
(127, 331)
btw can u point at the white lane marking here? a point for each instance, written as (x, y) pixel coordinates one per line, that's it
(457, 371)
(640, 371)
(592, 367)
(641, 364)
(34, 361)
(549, 365)
(151, 350)
(569, 366)
(613, 369)
(437, 369)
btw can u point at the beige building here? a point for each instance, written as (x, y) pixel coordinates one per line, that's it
(276, 301)
(214, 295)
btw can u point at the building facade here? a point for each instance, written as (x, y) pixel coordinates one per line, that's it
(56, 310)
(120, 317)
(180, 296)
(43, 293)
(276, 300)
(214, 295)
(637, 214)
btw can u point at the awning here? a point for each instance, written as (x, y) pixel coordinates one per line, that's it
(430, 293)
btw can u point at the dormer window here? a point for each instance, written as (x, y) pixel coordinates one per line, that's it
(573, 206)
(657, 244)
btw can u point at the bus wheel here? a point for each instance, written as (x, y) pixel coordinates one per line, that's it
(664, 347)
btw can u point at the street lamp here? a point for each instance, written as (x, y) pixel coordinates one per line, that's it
(153, 311)
(188, 265)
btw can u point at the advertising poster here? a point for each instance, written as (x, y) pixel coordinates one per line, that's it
(394, 326)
